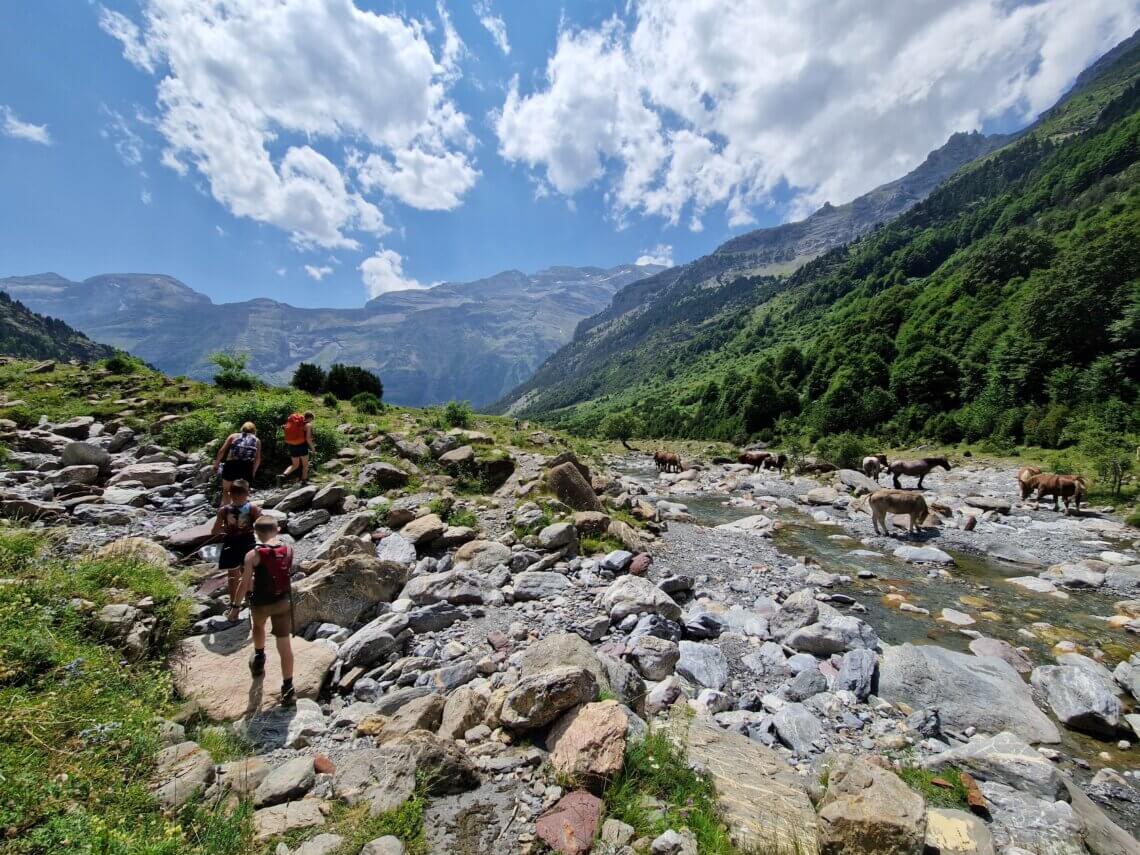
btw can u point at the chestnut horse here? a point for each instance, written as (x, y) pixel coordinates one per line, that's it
(916, 468)
(667, 461)
(1023, 476)
(1064, 487)
(885, 502)
(755, 459)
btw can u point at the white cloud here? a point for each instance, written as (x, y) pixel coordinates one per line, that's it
(317, 273)
(727, 102)
(661, 254)
(280, 271)
(128, 144)
(260, 98)
(432, 182)
(12, 126)
(145, 197)
(384, 272)
(221, 232)
(493, 24)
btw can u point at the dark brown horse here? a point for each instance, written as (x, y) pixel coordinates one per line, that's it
(1062, 487)
(775, 461)
(667, 461)
(916, 468)
(755, 459)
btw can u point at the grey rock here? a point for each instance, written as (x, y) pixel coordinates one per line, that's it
(539, 699)
(396, 548)
(833, 635)
(1040, 826)
(289, 781)
(373, 640)
(1006, 758)
(458, 587)
(631, 595)
(654, 658)
(1080, 698)
(856, 673)
(797, 727)
(386, 845)
(616, 561)
(302, 524)
(558, 535)
(297, 500)
(703, 664)
(383, 475)
(808, 683)
(923, 555)
(540, 585)
(85, 454)
(798, 610)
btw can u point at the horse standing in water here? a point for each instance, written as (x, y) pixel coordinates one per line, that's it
(916, 468)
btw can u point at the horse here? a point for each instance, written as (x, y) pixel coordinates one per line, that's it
(667, 461)
(1023, 476)
(916, 468)
(775, 461)
(755, 459)
(874, 464)
(1064, 487)
(885, 502)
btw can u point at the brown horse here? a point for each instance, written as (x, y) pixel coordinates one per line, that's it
(885, 502)
(916, 468)
(1023, 476)
(755, 459)
(667, 461)
(873, 464)
(775, 461)
(1064, 487)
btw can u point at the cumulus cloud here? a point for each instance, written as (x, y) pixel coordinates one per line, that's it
(317, 273)
(384, 272)
(12, 126)
(493, 24)
(712, 102)
(661, 254)
(262, 98)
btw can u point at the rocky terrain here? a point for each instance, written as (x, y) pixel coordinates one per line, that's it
(456, 341)
(500, 657)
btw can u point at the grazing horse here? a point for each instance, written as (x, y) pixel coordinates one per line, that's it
(874, 464)
(916, 468)
(1064, 487)
(667, 461)
(885, 502)
(775, 461)
(755, 459)
(1023, 476)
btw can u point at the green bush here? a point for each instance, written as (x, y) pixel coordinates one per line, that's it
(268, 409)
(309, 378)
(620, 426)
(232, 373)
(367, 404)
(123, 363)
(192, 432)
(845, 450)
(457, 414)
(330, 400)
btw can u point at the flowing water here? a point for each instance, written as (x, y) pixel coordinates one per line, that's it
(976, 584)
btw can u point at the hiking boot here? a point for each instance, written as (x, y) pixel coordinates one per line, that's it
(280, 480)
(257, 664)
(288, 696)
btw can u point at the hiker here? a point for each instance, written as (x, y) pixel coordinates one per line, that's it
(298, 442)
(238, 458)
(235, 522)
(265, 578)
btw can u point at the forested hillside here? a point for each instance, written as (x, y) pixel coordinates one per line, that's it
(28, 334)
(1006, 305)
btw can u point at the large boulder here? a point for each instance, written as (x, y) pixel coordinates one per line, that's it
(181, 772)
(458, 587)
(538, 700)
(147, 474)
(588, 742)
(955, 832)
(653, 657)
(763, 802)
(85, 454)
(423, 530)
(572, 488)
(343, 590)
(482, 556)
(1079, 697)
(213, 670)
(631, 595)
(1007, 759)
(869, 811)
(569, 828)
(833, 635)
(540, 585)
(703, 665)
(137, 548)
(382, 475)
(373, 641)
(983, 692)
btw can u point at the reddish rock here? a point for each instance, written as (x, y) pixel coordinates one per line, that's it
(640, 564)
(570, 826)
(191, 538)
(588, 742)
(498, 640)
(322, 765)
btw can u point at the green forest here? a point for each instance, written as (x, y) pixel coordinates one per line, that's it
(1005, 308)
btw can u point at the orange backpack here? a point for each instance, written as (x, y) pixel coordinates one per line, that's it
(295, 429)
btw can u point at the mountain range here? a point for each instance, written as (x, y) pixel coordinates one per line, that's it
(473, 340)
(28, 334)
(1005, 304)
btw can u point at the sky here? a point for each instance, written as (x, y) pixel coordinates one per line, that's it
(321, 152)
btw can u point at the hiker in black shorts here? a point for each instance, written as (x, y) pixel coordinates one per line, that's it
(299, 443)
(235, 522)
(238, 458)
(266, 578)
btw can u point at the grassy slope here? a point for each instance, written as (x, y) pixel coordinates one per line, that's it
(30, 335)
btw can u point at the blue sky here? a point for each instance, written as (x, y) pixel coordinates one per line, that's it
(258, 152)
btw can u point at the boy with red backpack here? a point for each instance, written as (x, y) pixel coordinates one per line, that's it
(268, 567)
(298, 442)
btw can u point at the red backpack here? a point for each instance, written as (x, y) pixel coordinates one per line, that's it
(295, 429)
(274, 566)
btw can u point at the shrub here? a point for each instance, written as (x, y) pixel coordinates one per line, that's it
(345, 381)
(329, 400)
(367, 404)
(845, 450)
(232, 373)
(457, 414)
(619, 426)
(268, 409)
(123, 363)
(309, 378)
(191, 432)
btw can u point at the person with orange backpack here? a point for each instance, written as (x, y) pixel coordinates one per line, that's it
(267, 581)
(299, 443)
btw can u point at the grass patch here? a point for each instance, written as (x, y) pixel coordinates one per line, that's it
(590, 545)
(78, 732)
(656, 790)
(223, 743)
(358, 827)
(922, 782)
